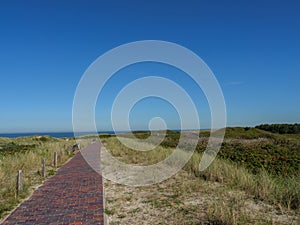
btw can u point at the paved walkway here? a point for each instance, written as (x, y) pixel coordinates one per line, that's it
(73, 196)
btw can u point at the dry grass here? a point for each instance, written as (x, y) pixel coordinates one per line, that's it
(237, 196)
(282, 191)
(185, 199)
(117, 149)
(30, 164)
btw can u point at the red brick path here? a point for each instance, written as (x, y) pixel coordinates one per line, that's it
(73, 196)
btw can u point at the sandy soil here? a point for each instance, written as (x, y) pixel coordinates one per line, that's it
(185, 199)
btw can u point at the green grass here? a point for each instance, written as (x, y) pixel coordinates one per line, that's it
(26, 154)
(266, 167)
(263, 186)
(277, 159)
(254, 149)
(14, 148)
(247, 133)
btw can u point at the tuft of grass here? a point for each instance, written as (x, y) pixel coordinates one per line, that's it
(110, 211)
(231, 212)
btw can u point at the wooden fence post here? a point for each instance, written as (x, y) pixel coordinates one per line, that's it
(55, 159)
(43, 167)
(19, 182)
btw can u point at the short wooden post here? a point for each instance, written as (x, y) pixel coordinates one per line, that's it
(43, 167)
(55, 159)
(19, 182)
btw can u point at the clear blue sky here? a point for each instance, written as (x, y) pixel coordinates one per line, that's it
(252, 47)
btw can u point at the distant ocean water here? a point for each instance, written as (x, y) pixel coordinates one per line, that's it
(52, 134)
(64, 134)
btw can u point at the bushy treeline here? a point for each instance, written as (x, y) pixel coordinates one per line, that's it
(281, 128)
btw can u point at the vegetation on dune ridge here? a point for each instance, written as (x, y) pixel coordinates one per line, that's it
(254, 149)
(281, 128)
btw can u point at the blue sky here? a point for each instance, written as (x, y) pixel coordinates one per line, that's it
(252, 47)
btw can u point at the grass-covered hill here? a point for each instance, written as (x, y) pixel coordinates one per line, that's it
(281, 128)
(261, 166)
(252, 148)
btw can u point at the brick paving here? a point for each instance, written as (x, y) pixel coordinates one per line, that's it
(73, 196)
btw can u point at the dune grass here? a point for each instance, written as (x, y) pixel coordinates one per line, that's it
(16, 155)
(280, 191)
(283, 190)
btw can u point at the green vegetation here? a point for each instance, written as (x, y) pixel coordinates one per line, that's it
(253, 149)
(247, 133)
(264, 165)
(281, 128)
(105, 135)
(277, 159)
(26, 154)
(141, 134)
(13, 148)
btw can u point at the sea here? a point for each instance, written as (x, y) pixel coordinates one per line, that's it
(64, 134)
(52, 134)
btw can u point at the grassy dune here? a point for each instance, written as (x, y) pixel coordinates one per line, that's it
(254, 179)
(26, 154)
(264, 167)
